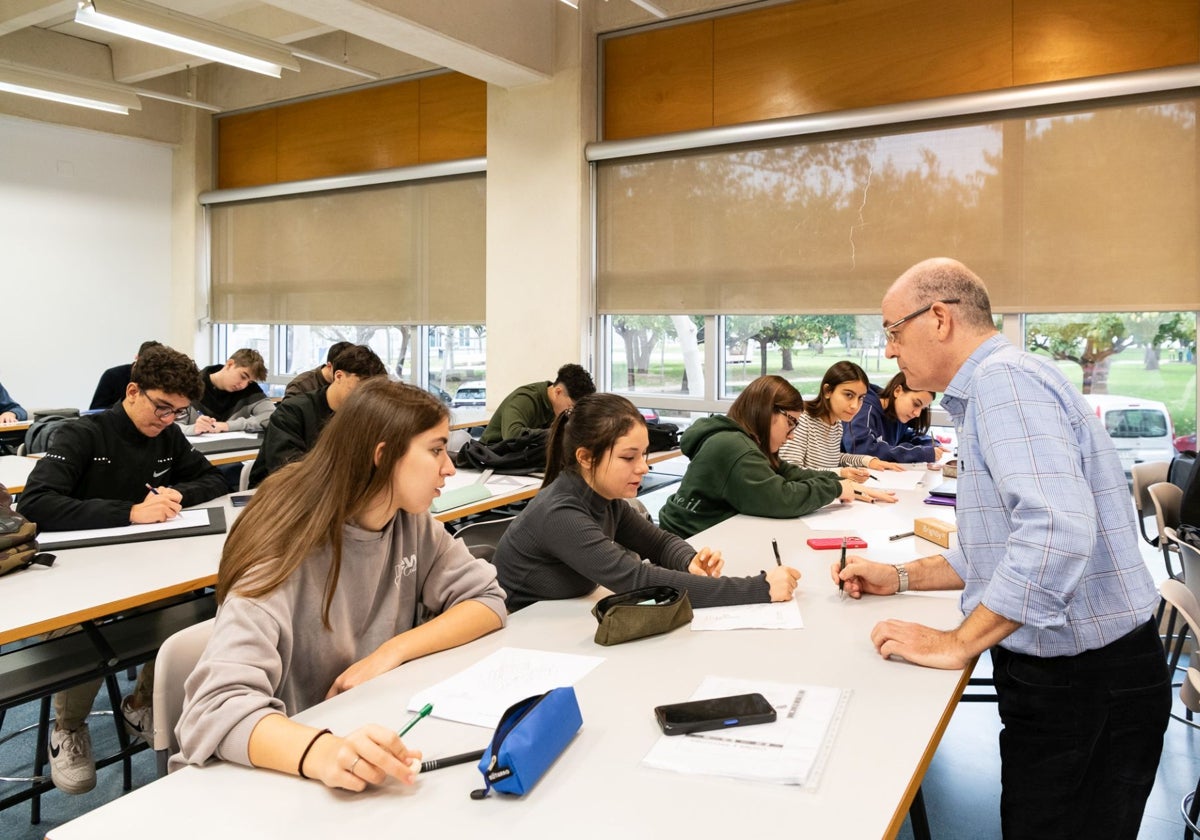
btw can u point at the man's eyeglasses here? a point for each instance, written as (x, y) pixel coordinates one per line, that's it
(889, 331)
(793, 422)
(162, 412)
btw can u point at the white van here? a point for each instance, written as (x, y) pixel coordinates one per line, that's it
(1141, 429)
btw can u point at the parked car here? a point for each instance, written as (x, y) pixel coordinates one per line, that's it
(438, 392)
(1186, 443)
(1140, 429)
(470, 394)
(650, 414)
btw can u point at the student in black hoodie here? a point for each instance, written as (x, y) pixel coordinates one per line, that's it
(232, 400)
(95, 475)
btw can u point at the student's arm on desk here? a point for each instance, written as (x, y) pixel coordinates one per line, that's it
(196, 479)
(47, 499)
(458, 625)
(260, 416)
(369, 754)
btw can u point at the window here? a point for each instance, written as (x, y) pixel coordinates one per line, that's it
(440, 357)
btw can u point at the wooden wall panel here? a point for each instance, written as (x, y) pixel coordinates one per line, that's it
(360, 131)
(659, 81)
(1071, 39)
(246, 149)
(832, 55)
(818, 56)
(442, 117)
(453, 118)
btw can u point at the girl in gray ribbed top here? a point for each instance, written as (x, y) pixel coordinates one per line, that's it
(579, 532)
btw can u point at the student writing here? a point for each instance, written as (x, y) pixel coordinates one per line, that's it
(321, 583)
(735, 466)
(892, 424)
(579, 531)
(816, 441)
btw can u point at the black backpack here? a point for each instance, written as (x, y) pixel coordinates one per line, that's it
(522, 455)
(663, 436)
(41, 432)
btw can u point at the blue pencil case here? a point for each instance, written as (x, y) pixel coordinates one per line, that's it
(532, 733)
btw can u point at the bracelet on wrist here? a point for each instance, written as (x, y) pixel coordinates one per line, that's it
(304, 755)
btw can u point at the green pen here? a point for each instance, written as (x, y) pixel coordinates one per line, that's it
(428, 707)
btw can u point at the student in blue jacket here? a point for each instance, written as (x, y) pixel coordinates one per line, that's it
(893, 425)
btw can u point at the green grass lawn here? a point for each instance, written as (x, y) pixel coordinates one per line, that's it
(1174, 383)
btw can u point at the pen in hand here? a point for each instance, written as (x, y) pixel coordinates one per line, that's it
(775, 548)
(151, 488)
(451, 760)
(425, 710)
(842, 568)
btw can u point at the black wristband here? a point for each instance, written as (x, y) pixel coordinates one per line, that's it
(304, 755)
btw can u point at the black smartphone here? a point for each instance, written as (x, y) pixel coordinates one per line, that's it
(240, 500)
(715, 713)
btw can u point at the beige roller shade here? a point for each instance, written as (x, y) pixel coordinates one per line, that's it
(410, 253)
(1091, 208)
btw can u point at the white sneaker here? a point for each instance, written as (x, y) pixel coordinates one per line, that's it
(71, 765)
(139, 723)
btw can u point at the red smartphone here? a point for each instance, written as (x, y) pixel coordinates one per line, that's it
(836, 542)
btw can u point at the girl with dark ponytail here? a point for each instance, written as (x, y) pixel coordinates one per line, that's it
(579, 531)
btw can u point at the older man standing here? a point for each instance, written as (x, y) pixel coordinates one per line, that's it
(1054, 583)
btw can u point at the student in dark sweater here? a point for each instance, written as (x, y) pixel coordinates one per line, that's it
(298, 420)
(232, 400)
(579, 532)
(536, 405)
(110, 390)
(735, 465)
(95, 475)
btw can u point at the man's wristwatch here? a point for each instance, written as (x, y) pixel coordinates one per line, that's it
(903, 573)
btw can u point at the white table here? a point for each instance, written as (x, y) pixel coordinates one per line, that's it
(15, 470)
(88, 583)
(892, 725)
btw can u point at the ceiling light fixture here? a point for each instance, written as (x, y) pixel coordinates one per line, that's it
(186, 34)
(71, 90)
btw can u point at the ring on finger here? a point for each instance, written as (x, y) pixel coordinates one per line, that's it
(354, 763)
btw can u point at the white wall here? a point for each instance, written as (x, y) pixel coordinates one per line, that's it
(85, 257)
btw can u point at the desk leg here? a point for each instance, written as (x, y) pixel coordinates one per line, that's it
(918, 817)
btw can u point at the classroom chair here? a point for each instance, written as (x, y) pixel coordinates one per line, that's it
(1166, 498)
(244, 476)
(481, 538)
(1186, 604)
(1144, 475)
(175, 661)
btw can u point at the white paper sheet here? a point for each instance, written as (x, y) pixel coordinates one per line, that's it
(892, 480)
(215, 436)
(783, 615)
(792, 750)
(480, 694)
(857, 517)
(185, 519)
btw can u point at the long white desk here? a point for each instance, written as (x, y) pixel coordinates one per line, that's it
(892, 725)
(87, 583)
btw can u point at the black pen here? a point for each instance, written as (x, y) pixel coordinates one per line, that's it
(901, 536)
(151, 489)
(872, 477)
(842, 568)
(451, 760)
(775, 548)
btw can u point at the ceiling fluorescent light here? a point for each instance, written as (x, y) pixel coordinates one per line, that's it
(71, 90)
(186, 34)
(650, 7)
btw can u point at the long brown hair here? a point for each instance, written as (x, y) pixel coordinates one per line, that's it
(303, 506)
(838, 373)
(595, 424)
(755, 408)
(919, 424)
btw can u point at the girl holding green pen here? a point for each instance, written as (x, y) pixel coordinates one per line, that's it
(322, 583)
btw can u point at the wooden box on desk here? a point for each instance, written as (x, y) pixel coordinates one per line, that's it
(935, 530)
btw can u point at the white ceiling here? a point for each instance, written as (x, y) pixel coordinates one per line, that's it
(503, 42)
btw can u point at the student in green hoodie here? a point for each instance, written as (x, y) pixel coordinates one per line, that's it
(735, 466)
